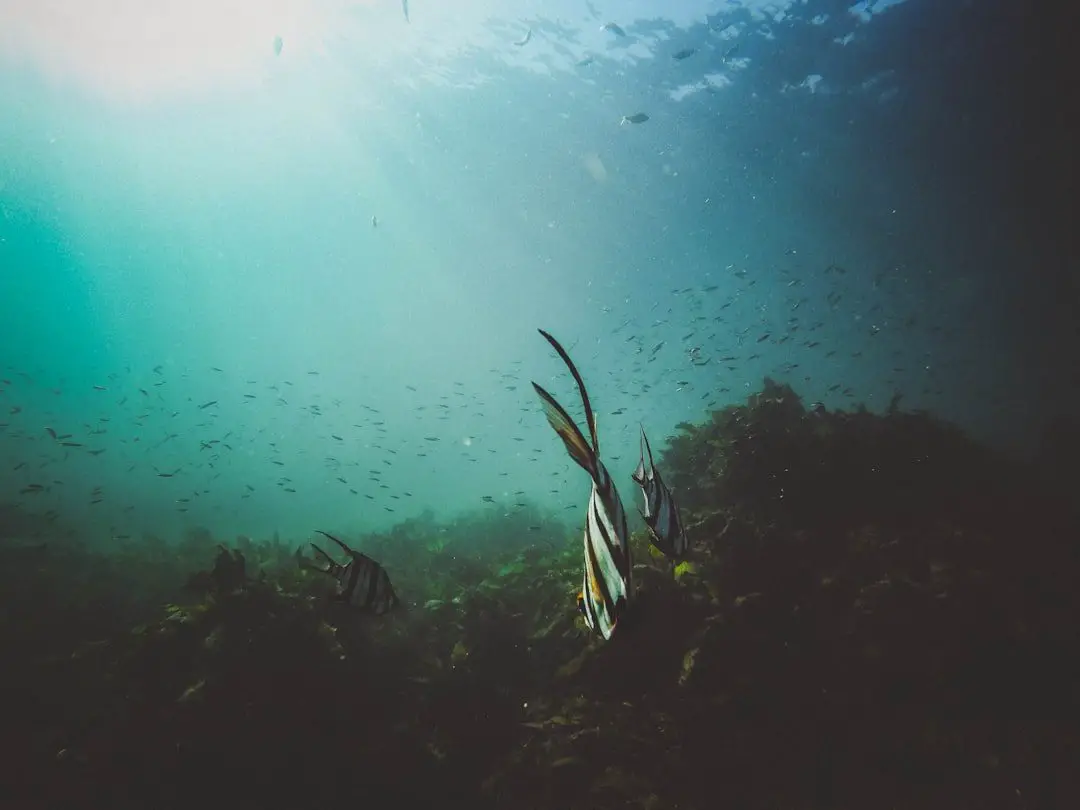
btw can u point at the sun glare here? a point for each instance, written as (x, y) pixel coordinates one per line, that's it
(135, 50)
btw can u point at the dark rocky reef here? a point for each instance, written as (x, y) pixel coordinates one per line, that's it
(877, 611)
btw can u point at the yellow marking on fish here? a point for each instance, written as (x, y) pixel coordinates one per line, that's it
(594, 583)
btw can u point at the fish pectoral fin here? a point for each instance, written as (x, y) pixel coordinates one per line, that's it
(560, 421)
(653, 536)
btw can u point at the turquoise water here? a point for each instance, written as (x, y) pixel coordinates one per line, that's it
(348, 246)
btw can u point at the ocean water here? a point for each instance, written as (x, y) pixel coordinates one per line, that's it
(268, 268)
(348, 244)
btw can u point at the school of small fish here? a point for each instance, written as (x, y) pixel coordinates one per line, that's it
(140, 425)
(734, 327)
(606, 585)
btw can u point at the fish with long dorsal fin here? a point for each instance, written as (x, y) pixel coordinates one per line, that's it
(362, 582)
(661, 513)
(606, 583)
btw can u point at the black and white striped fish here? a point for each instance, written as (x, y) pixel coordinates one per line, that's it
(661, 513)
(362, 582)
(606, 583)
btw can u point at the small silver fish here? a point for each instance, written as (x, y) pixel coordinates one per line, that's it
(636, 118)
(613, 28)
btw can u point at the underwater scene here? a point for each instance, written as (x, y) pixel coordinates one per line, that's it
(563, 405)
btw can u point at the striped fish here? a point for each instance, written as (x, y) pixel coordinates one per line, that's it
(661, 513)
(606, 583)
(362, 582)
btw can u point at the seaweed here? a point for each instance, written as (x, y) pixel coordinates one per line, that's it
(875, 607)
